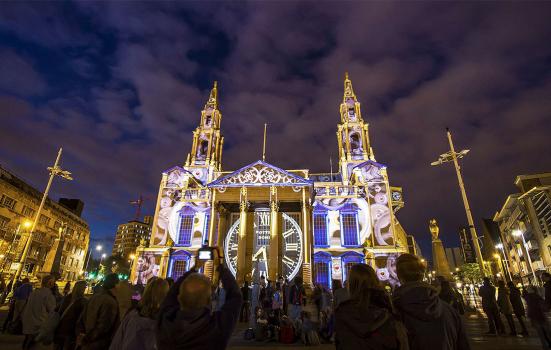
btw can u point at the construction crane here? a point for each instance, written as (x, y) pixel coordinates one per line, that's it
(139, 203)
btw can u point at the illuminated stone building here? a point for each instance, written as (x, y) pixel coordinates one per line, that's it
(275, 222)
(130, 234)
(60, 240)
(527, 212)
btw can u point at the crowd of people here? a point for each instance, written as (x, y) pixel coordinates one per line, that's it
(194, 313)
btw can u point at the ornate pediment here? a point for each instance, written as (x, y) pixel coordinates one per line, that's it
(260, 173)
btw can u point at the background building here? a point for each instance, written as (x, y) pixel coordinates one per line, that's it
(60, 229)
(455, 258)
(129, 236)
(524, 223)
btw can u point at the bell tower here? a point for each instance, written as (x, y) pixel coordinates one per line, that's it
(206, 149)
(352, 132)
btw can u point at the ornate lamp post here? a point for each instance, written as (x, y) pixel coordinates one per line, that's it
(453, 156)
(54, 171)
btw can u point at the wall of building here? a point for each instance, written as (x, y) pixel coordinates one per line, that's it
(19, 202)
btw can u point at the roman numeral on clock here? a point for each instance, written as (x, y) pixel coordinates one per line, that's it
(233, 246)
(287, 261)
(291, 246)
(288, 233)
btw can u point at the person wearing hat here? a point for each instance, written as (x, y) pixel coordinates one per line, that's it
(100, 319)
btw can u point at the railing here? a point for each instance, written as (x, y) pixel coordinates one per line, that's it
(338, 191)
(199, 195)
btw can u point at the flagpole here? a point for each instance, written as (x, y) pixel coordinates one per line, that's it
(264, 144)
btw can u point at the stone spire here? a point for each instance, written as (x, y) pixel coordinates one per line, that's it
(348, 90)
(213, 97)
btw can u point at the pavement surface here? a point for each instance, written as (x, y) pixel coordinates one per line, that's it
(475, 324)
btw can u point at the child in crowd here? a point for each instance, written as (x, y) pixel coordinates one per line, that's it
(309, 335)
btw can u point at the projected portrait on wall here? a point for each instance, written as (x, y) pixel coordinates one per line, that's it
(148, 266)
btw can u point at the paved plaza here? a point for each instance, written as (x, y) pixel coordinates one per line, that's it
(475, 324)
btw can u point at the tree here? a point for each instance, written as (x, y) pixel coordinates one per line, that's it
(471, 273)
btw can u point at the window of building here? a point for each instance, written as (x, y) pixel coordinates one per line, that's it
(3, 222)
(57, 225)
(322, 269)
(179, 265)
(320, 228)
(186, 227)
(348, 260)
(206, 228)
(28, 211)
(349, 228)
(44, 219)
(8, 201)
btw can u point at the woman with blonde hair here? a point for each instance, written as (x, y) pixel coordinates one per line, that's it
(137, 329)
(366, 320)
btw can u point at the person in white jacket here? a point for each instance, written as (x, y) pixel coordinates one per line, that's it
(40, 304)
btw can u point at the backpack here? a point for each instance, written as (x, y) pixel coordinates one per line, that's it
(249, 334)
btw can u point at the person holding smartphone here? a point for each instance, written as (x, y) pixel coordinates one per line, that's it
(186, 320)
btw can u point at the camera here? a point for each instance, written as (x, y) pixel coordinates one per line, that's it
(205, 253)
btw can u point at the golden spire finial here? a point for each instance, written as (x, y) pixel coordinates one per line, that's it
(213, 98)
(348, 90)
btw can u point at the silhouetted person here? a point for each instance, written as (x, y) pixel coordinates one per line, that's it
(518, 306)
(297, 298)
(100, 318)
(40, 304)
(535, 306)
(366, 320)
(505, 306)
(488, 294)
(546, 278)
(431, 322)
(70, 310)
(137, 329)
(340, 293)
(186, 321)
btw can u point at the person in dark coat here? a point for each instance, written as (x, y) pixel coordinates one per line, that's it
(100, 319)
(489, 304)
(518, 306)
(185, 319)
(431, 323)
(366, 320)
(535, 306)
(546, 278)
(505, 306)
(69, 311)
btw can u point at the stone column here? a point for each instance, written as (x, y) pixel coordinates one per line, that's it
(439, 260)
(273, 249)
(242, 242)
(306, 236)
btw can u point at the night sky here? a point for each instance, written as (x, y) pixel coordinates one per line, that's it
(121, 85)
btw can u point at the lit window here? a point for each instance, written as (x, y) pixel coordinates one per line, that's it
(322, 270)
(349, 228)
(320, 229)
(186, 228)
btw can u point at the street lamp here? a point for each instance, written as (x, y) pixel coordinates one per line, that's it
(499, 247)
(54, 171)
(450, 156)
(519, 233)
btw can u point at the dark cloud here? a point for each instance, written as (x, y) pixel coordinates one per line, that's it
(121, 86)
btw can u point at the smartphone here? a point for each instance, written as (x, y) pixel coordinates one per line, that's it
(205, 254)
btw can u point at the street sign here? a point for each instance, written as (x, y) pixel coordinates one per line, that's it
(467, 245)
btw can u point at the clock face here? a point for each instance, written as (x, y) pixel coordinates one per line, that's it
(290, 246)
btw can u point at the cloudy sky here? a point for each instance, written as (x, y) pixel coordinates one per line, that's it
(120, 86)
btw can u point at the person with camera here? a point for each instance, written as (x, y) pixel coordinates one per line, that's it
(185, 319)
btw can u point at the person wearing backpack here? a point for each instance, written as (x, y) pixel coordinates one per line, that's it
(366, 320)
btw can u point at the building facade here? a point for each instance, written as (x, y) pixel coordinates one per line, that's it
(129, 235)
(524, 223)
(274, 222)
(61, 237)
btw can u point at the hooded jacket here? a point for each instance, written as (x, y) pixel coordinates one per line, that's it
(430, 322)
(373, 329)
(198, 329)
